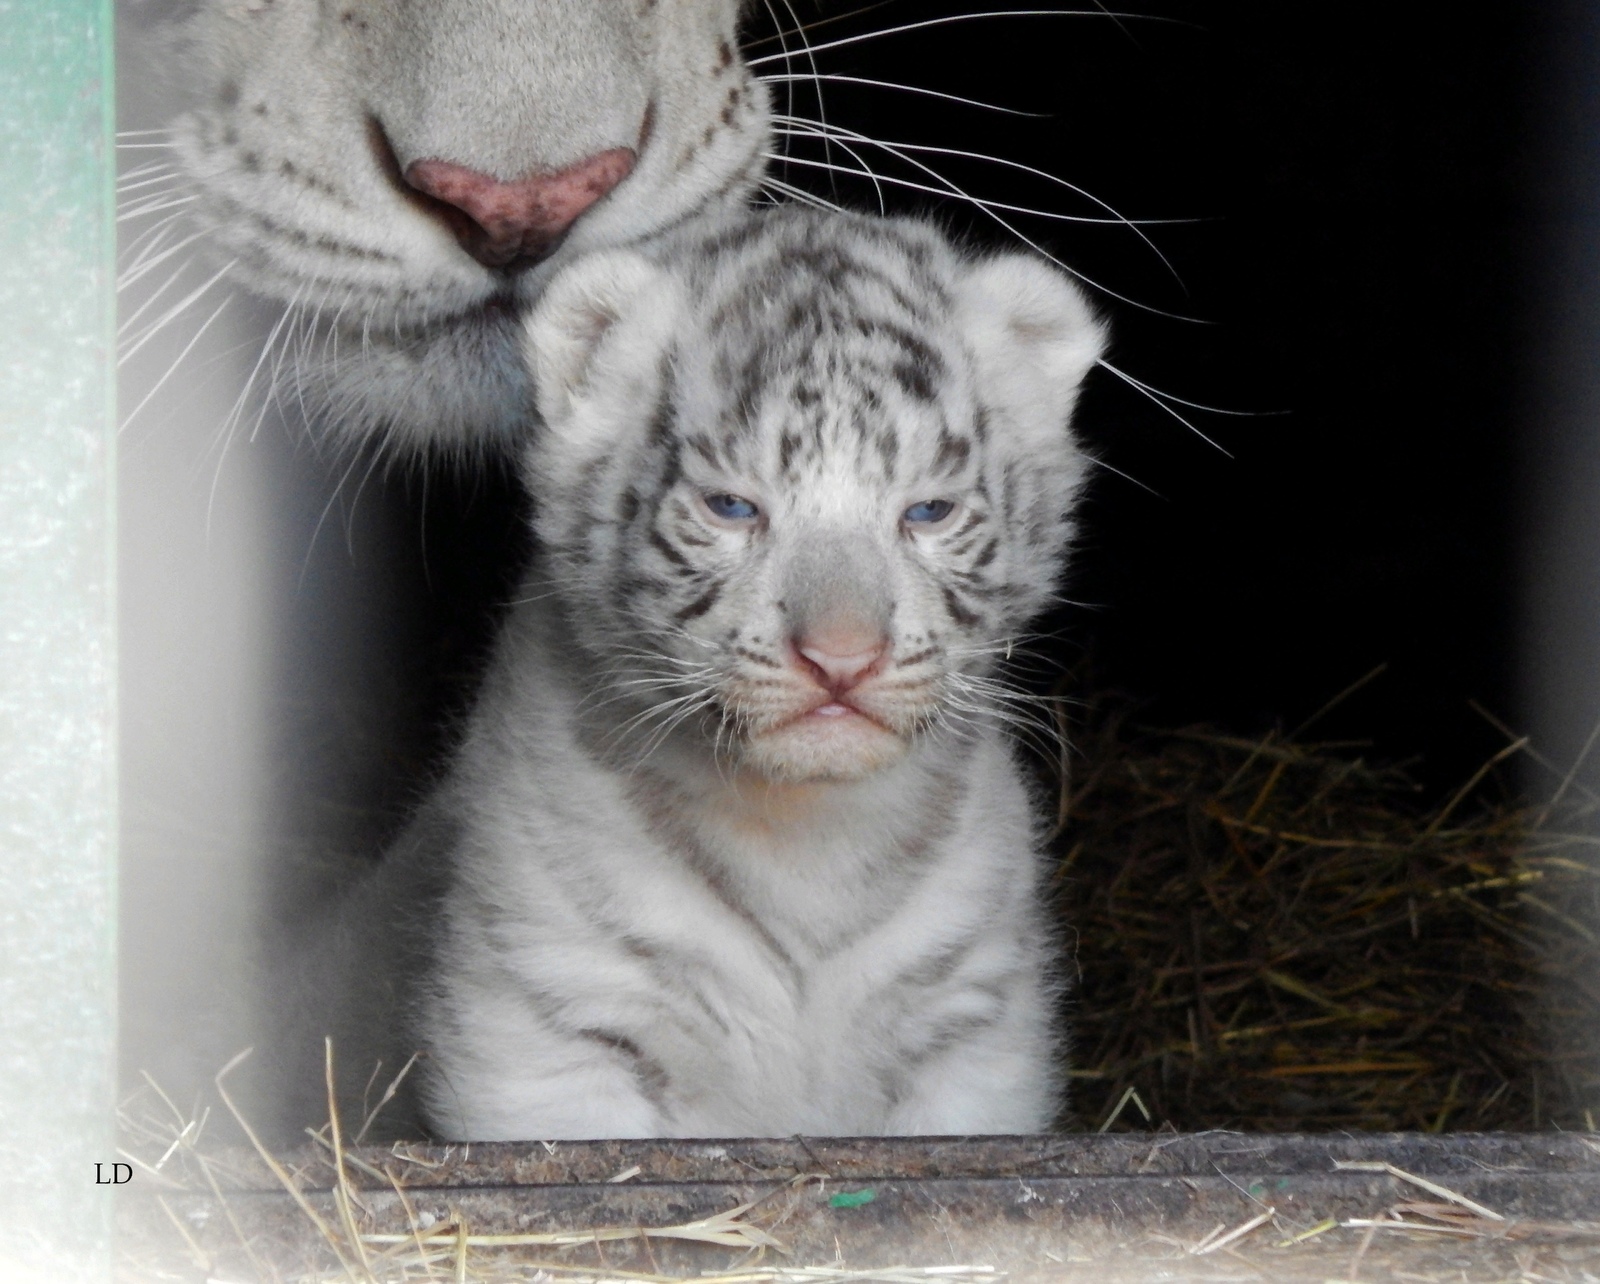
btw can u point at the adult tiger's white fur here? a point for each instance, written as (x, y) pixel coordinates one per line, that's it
(309, 144)
(733, 844)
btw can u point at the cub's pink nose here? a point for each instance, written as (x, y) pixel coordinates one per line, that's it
(498, 223)
(843, 660)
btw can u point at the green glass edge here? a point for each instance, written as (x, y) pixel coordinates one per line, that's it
(57, 636)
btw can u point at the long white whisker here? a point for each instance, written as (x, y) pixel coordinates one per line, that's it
(641, 653)
(951, 188)
(777, 37)
(630, 688)
(672, 710)
(154, 205)
(160, 183)
(1117, 217)
(378, 457)
(144, 268)
(1150, 393)
(854, 155)
(148, 176)
(322, 517)
(133, 251)
(607, 695)
(801, 195)
(225, 431)
(909, 89)
(151, 299)
(1195, 405)
(659, 737)
(178, 361)
(1097, 462)
(960, 17)
(1037, 731)
(1008, 697)
(330, 338)
(299, 343)
(170, 315)
(783, 45)
(273, 393)
(816, 83)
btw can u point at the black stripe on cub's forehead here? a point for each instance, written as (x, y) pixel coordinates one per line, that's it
(833, 319)
(821, 336)
(795, 275)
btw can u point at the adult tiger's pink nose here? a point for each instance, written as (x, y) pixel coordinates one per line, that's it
(498, 222)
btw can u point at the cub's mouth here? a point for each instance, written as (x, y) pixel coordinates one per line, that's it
(834, 709)
(834, 712)
(816, 746)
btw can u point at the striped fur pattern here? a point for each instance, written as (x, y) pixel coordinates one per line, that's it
(306, 113)
(733, 845)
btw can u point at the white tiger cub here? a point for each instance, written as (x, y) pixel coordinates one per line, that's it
(730, 846)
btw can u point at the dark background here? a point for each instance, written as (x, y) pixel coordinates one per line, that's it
(1356, 278)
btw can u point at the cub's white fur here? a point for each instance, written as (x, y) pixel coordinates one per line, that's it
(307, 114)
(735, 843)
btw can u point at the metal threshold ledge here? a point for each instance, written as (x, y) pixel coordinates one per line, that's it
(1207, 1206)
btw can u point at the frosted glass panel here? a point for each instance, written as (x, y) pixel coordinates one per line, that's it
(57, 643)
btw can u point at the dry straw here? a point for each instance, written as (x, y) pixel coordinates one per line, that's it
(170, 1151)
(1273, 934)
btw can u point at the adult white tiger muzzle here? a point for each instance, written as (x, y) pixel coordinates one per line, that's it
(407, 173)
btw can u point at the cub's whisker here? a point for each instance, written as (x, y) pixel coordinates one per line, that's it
(1193, 405)
(1159, 400)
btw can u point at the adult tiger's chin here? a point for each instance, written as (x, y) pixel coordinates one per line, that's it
(406, 387)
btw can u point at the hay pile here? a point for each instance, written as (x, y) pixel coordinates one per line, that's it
(1277, 935)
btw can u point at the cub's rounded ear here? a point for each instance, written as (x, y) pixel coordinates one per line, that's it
(1032, 332)
(600, 326)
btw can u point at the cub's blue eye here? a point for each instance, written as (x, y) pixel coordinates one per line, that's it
(731, 508)
(929, 511)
